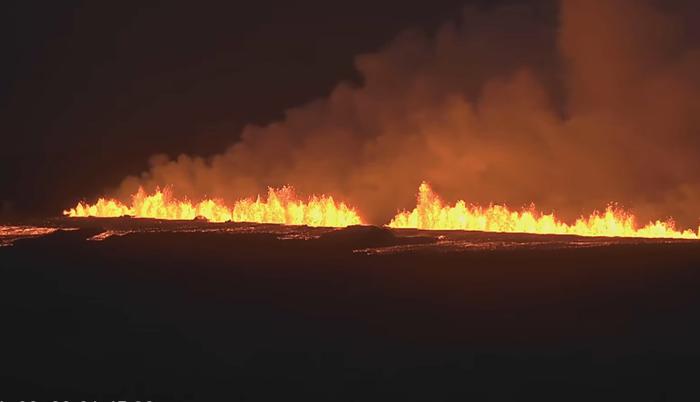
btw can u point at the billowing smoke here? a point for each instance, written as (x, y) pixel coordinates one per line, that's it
(602, 105)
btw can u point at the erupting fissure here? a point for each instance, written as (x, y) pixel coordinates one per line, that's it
(432, 214)
(281, 206)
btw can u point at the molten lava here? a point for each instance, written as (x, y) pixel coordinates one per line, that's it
(9, 234)
(432, 214)
(281, 206)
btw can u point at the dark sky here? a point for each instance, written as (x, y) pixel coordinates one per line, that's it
(90, 90)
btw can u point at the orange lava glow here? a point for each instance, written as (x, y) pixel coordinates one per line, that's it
(432, 214)
(8, 234)
(281, 206)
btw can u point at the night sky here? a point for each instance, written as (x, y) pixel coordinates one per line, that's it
(91, 90)
(569, 104)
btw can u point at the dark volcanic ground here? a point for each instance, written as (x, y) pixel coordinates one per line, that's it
(195, 311)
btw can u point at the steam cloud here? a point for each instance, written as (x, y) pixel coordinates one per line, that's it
(603, 105)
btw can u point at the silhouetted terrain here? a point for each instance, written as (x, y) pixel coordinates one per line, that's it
(236, 315)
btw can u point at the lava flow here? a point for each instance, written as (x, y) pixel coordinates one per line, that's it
(432, 214)
(8, 234)
(281, 206)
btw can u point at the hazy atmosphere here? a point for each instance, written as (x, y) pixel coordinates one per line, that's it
(570, 106)
(485, 124)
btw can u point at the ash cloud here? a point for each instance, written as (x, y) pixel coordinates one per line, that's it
(600, 104)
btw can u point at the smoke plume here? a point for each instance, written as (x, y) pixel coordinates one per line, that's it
(601, 105)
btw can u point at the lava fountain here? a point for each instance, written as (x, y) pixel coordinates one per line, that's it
(431, 213)
(281, 206)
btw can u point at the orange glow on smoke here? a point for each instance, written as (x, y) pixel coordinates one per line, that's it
(281, 206)
(432, 214)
